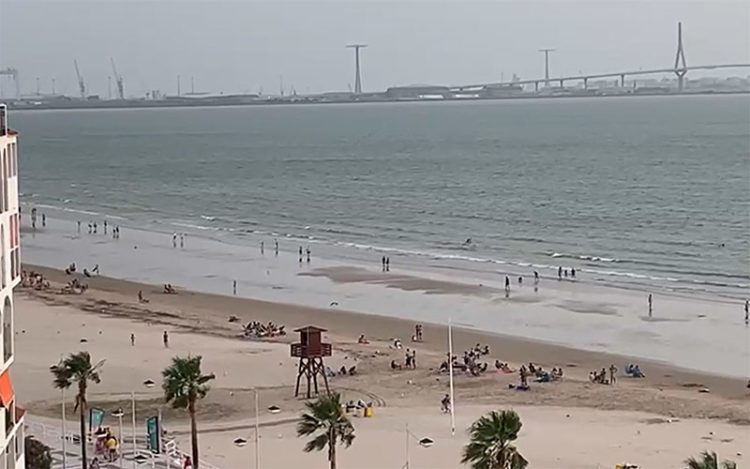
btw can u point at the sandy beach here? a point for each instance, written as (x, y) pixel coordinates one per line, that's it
(654, 422)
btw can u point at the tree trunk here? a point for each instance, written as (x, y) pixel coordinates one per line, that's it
(332, 449)
(194, 435)
(84, 439)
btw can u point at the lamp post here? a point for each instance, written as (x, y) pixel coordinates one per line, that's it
(119, 413)
(423, 442)
(135, 451)
(64, 432)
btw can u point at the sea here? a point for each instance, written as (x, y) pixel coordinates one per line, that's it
(641, 192)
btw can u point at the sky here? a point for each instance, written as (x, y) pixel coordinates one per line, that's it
(247, 46)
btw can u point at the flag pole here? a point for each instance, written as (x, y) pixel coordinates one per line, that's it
(450, 378)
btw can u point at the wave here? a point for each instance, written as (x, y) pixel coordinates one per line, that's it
(584, 257)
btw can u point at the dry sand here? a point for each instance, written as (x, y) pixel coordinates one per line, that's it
(612, 424)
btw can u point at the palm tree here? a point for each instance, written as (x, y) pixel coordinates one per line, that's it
(709, 461)
(77, 368)
(490, 440)
(327, 418)
(183, 385)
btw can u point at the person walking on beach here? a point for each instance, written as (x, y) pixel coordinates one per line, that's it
(612, 372)
(174, 240)
(262, 247)
(747, 312)
(383, 260)
(89, 227)
(44, 220)
(33, 218)
(132, 339)
(105, 226)
(165, 338)
(308, 254)
(507, 283)
(650, 305)
(94, 227)
(559, 273)
(387, 264)
(78, 224)
(182, 240)
(536, 277)
(234, 287)
(276, 247)
(573, 272)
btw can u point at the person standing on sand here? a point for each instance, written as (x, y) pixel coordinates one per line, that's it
(747, 312)
(94, 227)
(559, 273)
(174, 240)
(573, 272)
(387, 264)
(300, 254)
(650, 304)
(612, 371)
(262, 247)
(308, 254)
(536, 277)
(132, 339)
(507, 283)
(165, 338)
(383, 261)
(105, 226)
(78, 224)
(182, 240)
(276, 247)
(234, 287)
(44, 220)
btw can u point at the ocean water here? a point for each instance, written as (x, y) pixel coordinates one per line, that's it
(651, 190)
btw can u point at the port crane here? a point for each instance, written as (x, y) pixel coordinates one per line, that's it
(118, 81)
(81, 84)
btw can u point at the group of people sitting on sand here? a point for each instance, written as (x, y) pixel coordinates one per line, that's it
(634, 371)
(257, 330)
(471, 363)
(343, 371)
(34, 280)
(352, 406)
(74, 287)
(503, 367)
(169, 289)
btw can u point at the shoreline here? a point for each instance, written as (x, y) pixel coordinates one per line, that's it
(345, 326)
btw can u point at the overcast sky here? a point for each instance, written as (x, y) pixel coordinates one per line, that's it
(246, 45)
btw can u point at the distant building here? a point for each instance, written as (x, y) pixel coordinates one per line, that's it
(11, 415)
(418, 92)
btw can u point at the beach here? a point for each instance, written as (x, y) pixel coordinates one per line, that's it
(656, 421)
(597, 239)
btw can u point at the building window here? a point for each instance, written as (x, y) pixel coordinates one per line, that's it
(15, 263)
(3, 266)
(7, 330)
(20, 435)
(4, 188)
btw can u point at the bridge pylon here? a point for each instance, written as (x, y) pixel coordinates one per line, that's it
(680, 64)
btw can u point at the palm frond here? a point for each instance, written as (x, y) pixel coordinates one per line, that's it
(316, 444)
(490, 439)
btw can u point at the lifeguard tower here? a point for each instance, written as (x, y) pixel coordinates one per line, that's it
(310, 350)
